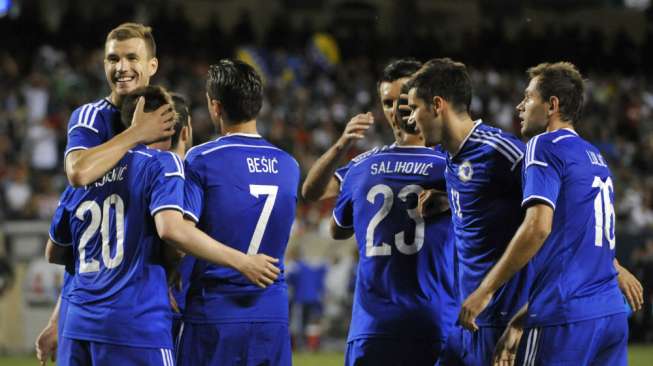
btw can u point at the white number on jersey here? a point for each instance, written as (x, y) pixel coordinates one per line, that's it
(455, 202)
(102, 217)
(271, 192)
(388, 200)
(604, 216)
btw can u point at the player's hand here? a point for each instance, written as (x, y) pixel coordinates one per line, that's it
(506, 348)
(356, 128)
(261, 269)
(631, 288)
(432, 202)
(153, 126)
(46, 344)
(473, 305)
(403, 112)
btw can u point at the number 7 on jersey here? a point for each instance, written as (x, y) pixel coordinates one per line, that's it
(271, 193)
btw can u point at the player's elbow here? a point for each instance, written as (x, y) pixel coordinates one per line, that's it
(339, 233)
(168, 227)
(75, 177)
(309, 193)
(55, 254)
(76, 174)
(540, 232)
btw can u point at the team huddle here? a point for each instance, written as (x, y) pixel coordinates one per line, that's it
(475, 248)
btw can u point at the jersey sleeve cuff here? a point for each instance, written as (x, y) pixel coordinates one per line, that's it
(58, 242)
(74, 148)
(192, 216)
(534, 197)
(338, 177)
(166, 207)
(338, 222)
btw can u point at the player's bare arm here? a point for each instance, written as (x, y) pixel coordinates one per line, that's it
(630, 286)
(505, 351)
(524, 245)
(58, 254)
(46, 342)
(86, 166)
(320, 182)
(339, 233)
(260, 269)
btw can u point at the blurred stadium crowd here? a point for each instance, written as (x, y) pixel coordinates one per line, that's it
(314, 85)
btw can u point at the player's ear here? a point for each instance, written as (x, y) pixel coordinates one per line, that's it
(438, 104)
(153, 65)
(554, 105)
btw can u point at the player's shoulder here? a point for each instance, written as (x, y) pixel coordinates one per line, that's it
(88, 115)
(362, 157)
(198, 151)
(559, 140)
(493, 141)
(497, 135)
(158, 160)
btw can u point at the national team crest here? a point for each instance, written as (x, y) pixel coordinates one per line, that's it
(465, 171)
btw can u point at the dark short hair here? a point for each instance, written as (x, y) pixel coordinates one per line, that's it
(183, 115)
(155, 97)
(445, 78)
(563, 80)
(238, 87)
(397, 69)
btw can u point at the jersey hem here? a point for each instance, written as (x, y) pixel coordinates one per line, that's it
(84, 337)
(552, 323)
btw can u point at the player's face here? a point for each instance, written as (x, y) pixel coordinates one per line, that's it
(128, 65)
(427, 121)
(532, 111)
(390, 92)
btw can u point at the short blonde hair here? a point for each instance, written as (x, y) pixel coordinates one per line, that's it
(134, 30)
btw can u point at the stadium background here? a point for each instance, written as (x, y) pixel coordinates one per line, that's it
(320, 60)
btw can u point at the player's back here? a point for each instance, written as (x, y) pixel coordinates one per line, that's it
(119, 292)
(575, 278)
(405, 276)
(242, 191)
(484, 186)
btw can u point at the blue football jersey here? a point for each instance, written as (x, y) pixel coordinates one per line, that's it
(92, 124)
(405, 277)
(575, 278)
(60, 233)
(484, 187)
(119, 293)
(242, 191)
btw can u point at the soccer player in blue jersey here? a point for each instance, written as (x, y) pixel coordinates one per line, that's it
(96, 140)
(241, 190)
(96, 137)
(405, 301)
(324, 178)
(118, 311)
(483, 179)
(574, 305)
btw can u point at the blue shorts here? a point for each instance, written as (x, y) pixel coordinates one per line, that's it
(464, 347)
(75, 352)
(391, 352)
(600, 341)
(242, 344)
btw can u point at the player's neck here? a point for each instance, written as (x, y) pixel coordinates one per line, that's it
(115, 99)
(245, 127)
(456, 130)
(558, 124)
(411, 140)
